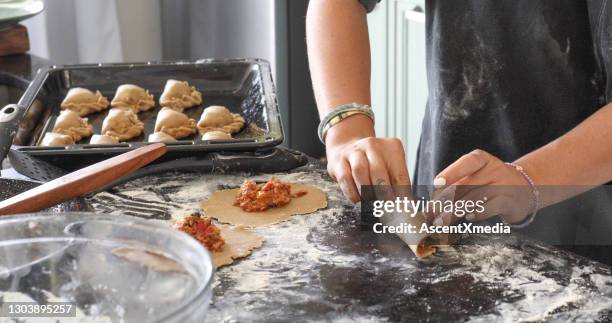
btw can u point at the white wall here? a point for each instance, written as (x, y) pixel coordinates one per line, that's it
(232, 28)
(76, 31)
(140, 29)
(73, 31)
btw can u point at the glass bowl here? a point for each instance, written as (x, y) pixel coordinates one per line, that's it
(73, 257)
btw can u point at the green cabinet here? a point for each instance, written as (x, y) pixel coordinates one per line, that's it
(399, 78)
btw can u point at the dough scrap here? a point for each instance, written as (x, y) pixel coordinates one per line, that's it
(149, 259)
(239, 243)
(174, 123)
(122, 124)
(427, 244)
(161, 137)
(133, 97)
(103, 140)
(179, 95)
(55, 140)
(218, 117)
(69, 123)
(424, 248)
(84, 101)
(216, 135)
(220, 205)
(422, 244)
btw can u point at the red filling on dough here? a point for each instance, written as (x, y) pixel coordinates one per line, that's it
(257, 198)
(203, 230)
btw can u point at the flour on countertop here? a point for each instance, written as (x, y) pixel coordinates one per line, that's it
(315, 266)
(543, 296)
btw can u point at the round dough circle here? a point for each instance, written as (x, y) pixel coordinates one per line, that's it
(220, 205)
(239, 243)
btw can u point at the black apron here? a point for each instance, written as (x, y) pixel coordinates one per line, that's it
(505, 76)
(509, 77)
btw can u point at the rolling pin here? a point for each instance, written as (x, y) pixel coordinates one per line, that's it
(81, 181)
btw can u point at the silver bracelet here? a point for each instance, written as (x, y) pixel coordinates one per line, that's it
(536, 198)
(340, 113)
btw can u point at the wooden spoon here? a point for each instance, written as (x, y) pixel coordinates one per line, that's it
(81, 181)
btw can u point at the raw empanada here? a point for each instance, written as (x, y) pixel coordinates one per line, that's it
(216, 135)
(56, 139)
(161, 137)
(84, 101)
(135, 98)
(69, 123)
(179, 95)
(174, 123)
(122, 124)
(220, 118)
(103, 140)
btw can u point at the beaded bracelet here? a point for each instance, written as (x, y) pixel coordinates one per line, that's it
(536, 197)
(341, 113)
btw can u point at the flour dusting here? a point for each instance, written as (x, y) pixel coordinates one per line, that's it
(322, 267)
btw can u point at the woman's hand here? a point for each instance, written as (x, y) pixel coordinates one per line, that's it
(355, 157)
(480, 176)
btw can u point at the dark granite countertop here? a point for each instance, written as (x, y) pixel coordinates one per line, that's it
(322, 267)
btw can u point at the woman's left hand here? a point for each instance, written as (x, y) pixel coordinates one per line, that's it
(480, 176)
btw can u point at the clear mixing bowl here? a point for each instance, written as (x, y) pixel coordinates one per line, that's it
(71, 257)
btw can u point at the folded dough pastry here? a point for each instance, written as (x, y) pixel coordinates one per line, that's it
(217, 117)
(56, 139)
(84, 101)
(69, 123)
(122, 124)
(179, 95)
(216, 135)
(103, 140)
(161, 137)
(133, 97)
(174, 123)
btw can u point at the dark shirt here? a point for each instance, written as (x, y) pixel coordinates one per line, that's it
(507, 77)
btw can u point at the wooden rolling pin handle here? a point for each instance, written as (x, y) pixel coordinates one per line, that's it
(81, 181)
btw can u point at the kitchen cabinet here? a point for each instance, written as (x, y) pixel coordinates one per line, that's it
(399, 79)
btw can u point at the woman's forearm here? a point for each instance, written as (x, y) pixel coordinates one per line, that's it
(339, 53)
(581, 157)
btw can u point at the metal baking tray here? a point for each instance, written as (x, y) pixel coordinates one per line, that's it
(244, 86)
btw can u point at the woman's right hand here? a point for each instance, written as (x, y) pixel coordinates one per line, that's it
(355, 157)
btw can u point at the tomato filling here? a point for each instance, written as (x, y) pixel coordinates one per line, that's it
(203, 230)
(257, 198)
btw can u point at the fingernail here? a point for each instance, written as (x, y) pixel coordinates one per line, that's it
(439, 222)
(470, 217)
(439, 182)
